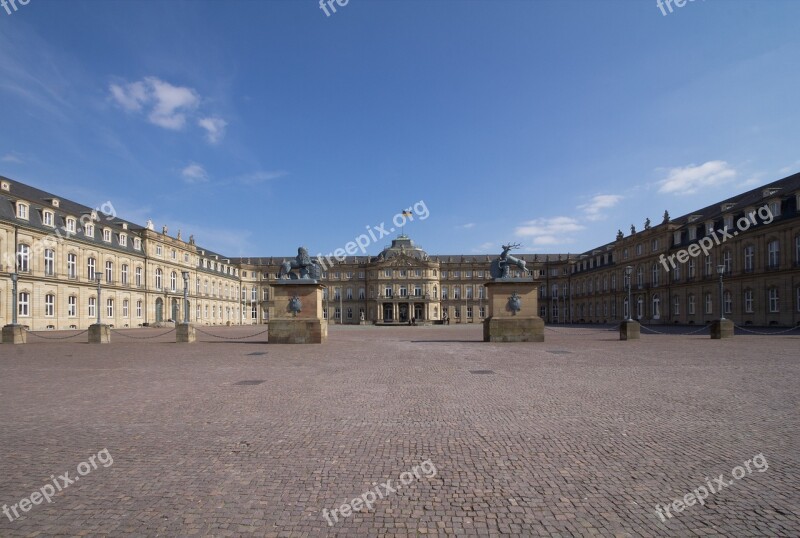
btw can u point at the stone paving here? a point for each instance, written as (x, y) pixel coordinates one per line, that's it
(581, 435)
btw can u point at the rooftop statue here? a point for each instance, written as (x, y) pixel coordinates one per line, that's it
(307, 268)
(501, 266)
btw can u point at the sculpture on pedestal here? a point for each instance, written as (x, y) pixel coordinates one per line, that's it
(308, 269)
(501, 266)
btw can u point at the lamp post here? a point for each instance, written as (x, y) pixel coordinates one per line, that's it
(628, 273)
(721, 272)
(14, 277)
(185, 275)
(99, 278)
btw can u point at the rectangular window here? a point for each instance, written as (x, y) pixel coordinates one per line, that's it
(456, 292)
(349, 294)
(124, 274)
(109, 272)
(47, 218)
(72, 265)
(138, 276)
(88, 230)
(468, 292)
(709, 265)
(107, 235)
(123, 240)
(72, 306)
(774, 303)
(110, 308)
(748, 301)
(137, 243)
(124, 308)
(49, 305)
(361, 294)
(92, 310)
(691, 305)
(774, 254)
(90, 268)
(71, 224)
(444, 293)
(676, 306)
(49, 262)
(23, 308)
(749, 258)
(22, 211)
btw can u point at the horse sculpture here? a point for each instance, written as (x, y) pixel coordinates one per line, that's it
(501, 266)
(308, 269)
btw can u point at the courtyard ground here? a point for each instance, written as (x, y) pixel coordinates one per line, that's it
(580, 435)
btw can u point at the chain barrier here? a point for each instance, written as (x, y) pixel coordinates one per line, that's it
(229, 337)
(767, 333)
(701, 329)
(117, 331)
(592, 331)
(57, 337)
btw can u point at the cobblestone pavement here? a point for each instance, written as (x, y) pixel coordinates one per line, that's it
(580, 435)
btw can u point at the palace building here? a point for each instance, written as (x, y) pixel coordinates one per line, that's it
(59, 250)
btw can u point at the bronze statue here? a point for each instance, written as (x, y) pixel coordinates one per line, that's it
(500, 267)
(308, 268)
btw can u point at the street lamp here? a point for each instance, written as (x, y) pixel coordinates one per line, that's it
(185, 275)
(721, 271)
(628, 273)
(99, 278)
(14, 277)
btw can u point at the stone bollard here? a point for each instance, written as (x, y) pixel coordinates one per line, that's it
(99, 333)
(721, 328)
(629, 330)
(14, 334)
(185, 333)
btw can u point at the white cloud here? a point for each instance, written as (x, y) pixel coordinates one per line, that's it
(170, 103)
(11, 158)
(549, 231)
(690, 179)
(467, 226)
(215, 128)
(598, 203)
(194, 173)
(167, 106)
(131, 96)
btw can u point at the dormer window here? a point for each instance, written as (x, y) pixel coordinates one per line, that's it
(728, 221)
(22, 210)
(727, 207)
(692, 233)
(123, 240)
(71, 223)
(174, 254)
(47, 218)
(106, 235)
(5, 185)
(88, 230)
(676, 237)
(770, 192)
(137, 243)
(775, 207)
(55, 202)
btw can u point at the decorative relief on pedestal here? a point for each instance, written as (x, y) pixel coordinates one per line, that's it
(295, 305)
(514, 303)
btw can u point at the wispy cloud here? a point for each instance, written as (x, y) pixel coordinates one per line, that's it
(467, 226)
(11, 158)
(593, 210)
(215, 128)
(549, 231)
(194, 173)
(166, 105)
(255, 178)
(792, 168)
(692, 178)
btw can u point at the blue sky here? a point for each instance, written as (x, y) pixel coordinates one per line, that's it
(259, 126)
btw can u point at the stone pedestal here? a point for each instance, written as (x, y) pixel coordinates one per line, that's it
(630, 330)
(721, 328)
(513, 311)
(14, 334)
(99, 333)
(289, 326)
(185, 333)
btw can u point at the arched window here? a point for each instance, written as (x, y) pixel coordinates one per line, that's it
(640, 277)
(691, 304)
(49, 305)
